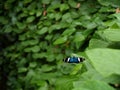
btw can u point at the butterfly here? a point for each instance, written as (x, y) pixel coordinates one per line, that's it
(74, 59)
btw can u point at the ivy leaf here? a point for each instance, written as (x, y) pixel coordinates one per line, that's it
(69, 31)
(79, 37)
(60, 40)
(72, 3)
(45, 1)
(42, 31)
(22, 69)
(33, 64)
(58, 16)
(47, 68)
(38, 13)
(21, 25)
(30, 19)
(64, 7)
(33, 49)
(67, 17)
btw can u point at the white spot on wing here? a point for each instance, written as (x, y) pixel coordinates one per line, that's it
(79, 59)
(68, 60)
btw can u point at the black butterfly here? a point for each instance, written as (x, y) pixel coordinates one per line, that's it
(74, 59)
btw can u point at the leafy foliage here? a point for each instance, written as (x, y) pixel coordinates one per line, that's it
(36, 35)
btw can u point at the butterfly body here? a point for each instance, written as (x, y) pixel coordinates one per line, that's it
(74, 59)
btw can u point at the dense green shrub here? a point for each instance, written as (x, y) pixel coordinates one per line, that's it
(36, 35)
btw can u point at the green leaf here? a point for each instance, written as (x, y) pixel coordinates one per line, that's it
(30, 19)
(33, 64)
(67, 68)
(60, 40)
(48, 37)
(91, 25)
(64, 7)
(3, 20)
(28, 42)
(22, 69)
(21, 25)
(98, 43)
(22, 62)
(72, 3)
(58, 16)
(91, 85)
(74, 14)
(38, 13)
(68, 31)
(39, 55)
(79, 37)
(31, 73)
(112, 35)
(42, 31)
(76, 69)
(54, 5)
(106, 9)
(105, 61)
(33, 42)
(35, 49)
(59, 26)
(32, 12)
(91, 74)
(45, 1)
(117, 15)
(109, 2)
(50, 57)
(32, 49)
(64, 83)
(27, 1)
(113, 79)
(8, 29)
(67, 17)
(115, 26)
(46, 68)
(51, 16)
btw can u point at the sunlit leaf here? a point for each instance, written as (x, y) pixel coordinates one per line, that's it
(68, 31)
(91, 85)
(79, 37)
(45, 1)
(60, 40)
(72, 3)
(42, 31)
(112, 35)
(105, 61)
(64, 7)
(30, 19)
(22, 69)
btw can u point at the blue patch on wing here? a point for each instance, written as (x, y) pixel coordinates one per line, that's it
(73, 60)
